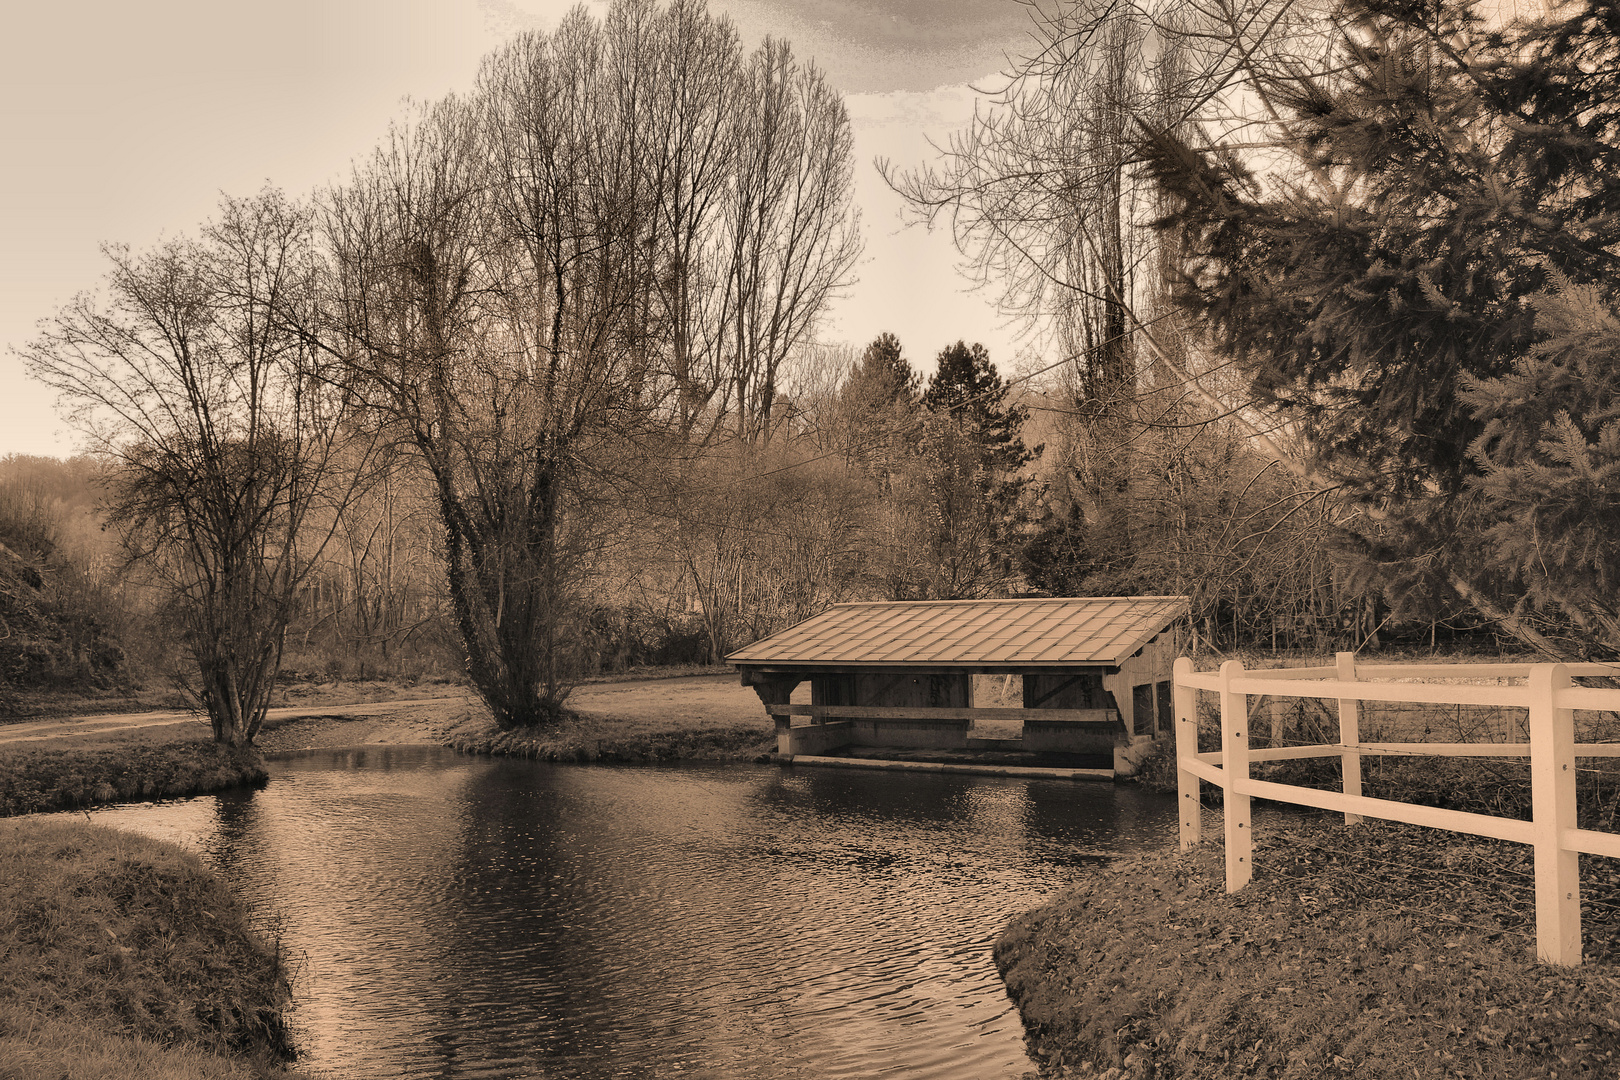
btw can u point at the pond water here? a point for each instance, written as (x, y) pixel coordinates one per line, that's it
(455, 916)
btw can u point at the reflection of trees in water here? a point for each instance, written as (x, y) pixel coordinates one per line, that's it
(237, 846)
(1052, 822)
(346, 856)
(463, 915)
(519, 897)
(603, 905)
(1072, 822)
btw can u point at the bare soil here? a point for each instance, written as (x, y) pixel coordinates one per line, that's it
(352, 714)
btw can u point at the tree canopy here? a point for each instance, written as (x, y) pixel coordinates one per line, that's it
(1442, 176)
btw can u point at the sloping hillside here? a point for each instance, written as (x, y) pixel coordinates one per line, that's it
(48, 637)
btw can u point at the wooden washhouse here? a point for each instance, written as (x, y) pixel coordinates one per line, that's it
(1096, 674)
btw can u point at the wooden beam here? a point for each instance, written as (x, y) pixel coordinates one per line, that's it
(1055, 691)
(805, 671)
(873, 712)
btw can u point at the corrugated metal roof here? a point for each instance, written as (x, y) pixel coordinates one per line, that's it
(1036, 632)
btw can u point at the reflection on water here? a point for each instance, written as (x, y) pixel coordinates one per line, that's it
(465, 917)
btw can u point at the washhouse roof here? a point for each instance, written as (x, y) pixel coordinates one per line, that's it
(1057, 632)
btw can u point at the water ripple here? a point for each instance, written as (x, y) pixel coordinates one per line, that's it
(460, 917)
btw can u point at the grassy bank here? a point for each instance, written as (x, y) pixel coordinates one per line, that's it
(1379, 950)
(34, 779)
(593, 738)
(124, 957)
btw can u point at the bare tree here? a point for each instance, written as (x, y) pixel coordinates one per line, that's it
(792, 232)
(688, 124)
(196, 378)
(1047, 197)
(495, 266)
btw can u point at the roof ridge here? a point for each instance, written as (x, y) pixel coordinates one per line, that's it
(1093, 629)
(998, 600)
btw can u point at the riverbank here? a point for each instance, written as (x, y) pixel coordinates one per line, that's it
(1380, 950)
(585, 737)
(70, 762)
(124, 957)
(651, 716)
(41, 779)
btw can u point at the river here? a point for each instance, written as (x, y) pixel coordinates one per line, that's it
(453, 916)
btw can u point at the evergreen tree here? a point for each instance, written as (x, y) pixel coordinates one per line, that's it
(881, 378)
(967, 478)
(1446, 174)
(968, 391)
(1060, 554)
(1549, 456)
(877, 407)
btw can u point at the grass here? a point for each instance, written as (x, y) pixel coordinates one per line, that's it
(1379, 950)
(37, 779)
(124, 957)
(592, 738)
(23, 704)
(1383, 950)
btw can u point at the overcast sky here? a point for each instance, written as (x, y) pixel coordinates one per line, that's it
(124, 122)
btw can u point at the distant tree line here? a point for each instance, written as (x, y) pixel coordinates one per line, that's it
(539, 387)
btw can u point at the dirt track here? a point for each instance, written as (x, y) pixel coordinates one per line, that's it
(716, 698)
(701, 698)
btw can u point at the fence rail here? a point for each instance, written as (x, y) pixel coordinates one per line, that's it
(1547, 694)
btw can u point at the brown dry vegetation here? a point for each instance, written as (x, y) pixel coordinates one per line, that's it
(585, 738)
(124, 957)
(38, 779)
(1378, 950)
(683, 717)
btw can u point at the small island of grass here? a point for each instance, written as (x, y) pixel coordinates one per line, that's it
(124, 957)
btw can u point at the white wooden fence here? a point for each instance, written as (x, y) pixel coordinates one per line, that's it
(1546, 692)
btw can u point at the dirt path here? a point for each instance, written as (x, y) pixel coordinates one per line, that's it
(679, 701)
(715, 698)
(110, 723)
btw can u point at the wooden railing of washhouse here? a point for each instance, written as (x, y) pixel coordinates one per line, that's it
(1545, 690)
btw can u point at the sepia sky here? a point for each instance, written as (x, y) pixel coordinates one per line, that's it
(125, 122)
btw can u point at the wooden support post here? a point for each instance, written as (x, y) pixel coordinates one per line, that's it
(1235, 773)
(1552, 802)
(775, 691)
(1349, 733)
(784, 735)
(1187, 785)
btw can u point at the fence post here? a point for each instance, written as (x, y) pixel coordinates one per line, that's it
(1187, 786)
(1349, 733)
(1234, 774)
(1278, 711)
(1552, 804)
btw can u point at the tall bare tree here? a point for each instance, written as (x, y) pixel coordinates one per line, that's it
(496, 265)
(691, 136)
(792, 232)
(197, 376)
